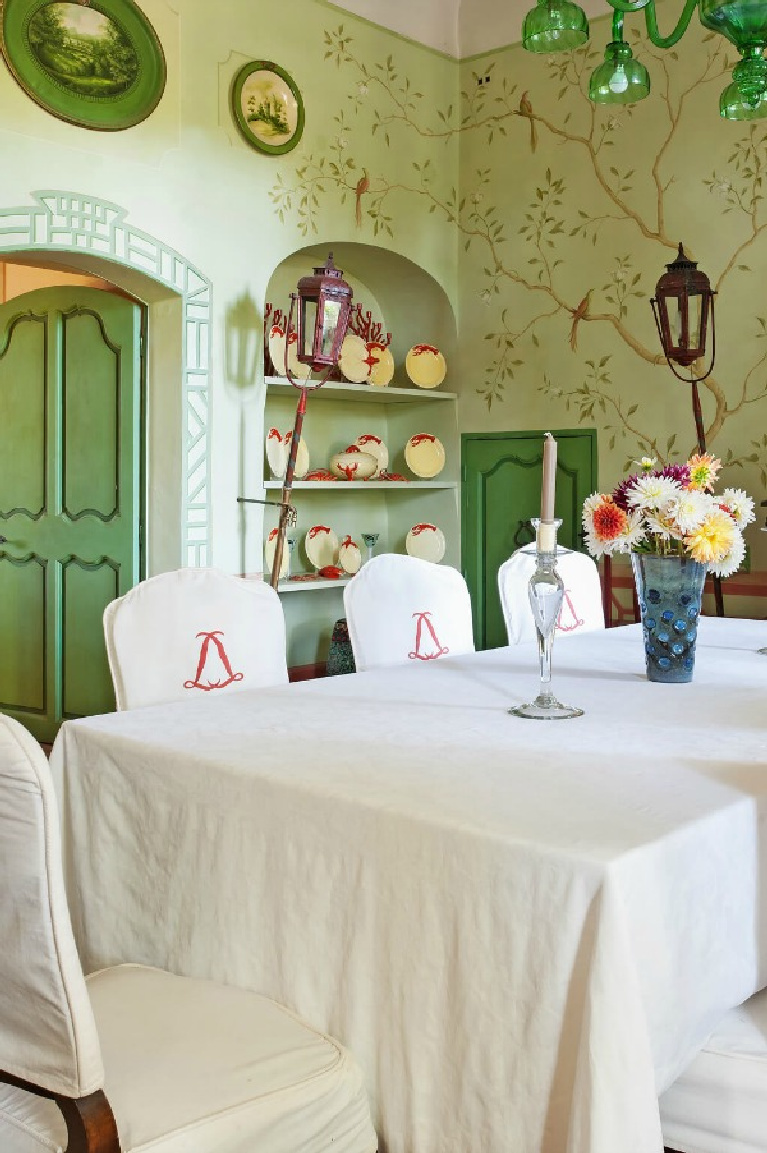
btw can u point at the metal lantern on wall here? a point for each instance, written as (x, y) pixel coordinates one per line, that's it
(324, 304)
(683, 301)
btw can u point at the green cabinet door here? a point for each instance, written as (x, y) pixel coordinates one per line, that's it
(500, 492)
(70, 496)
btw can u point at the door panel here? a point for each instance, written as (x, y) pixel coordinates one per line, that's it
(70, 443)
(501, 491)
(23, 427)
(23, 599)
(91, 405)
(86, 590)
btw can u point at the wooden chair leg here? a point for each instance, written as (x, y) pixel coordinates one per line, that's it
(607, 591)
(718, 597)
(91, 1127)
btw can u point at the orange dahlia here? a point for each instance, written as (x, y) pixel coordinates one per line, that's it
(609, 521)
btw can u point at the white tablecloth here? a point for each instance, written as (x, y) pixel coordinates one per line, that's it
(522, 929)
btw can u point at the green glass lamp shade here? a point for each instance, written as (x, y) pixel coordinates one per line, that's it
(732, 106)
(744, 22)
(620, 79)
(746, 97)
(554, 26)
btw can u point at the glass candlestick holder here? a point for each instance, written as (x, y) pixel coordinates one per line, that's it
(292, 541)
(546, 593)
(370, 539)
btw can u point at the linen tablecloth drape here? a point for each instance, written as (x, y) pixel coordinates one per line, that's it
(523, 930)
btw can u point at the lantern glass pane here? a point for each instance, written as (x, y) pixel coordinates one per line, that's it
(675, 319)
(310, 320)
(330, 318)
(695, 315)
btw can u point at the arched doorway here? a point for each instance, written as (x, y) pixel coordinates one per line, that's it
(53, 388)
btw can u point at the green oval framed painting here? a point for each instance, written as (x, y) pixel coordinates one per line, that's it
(267, 107)
(97, 64)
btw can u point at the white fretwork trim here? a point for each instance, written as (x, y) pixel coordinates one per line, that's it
(72, 221)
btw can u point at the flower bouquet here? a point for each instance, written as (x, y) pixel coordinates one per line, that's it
(677, 530)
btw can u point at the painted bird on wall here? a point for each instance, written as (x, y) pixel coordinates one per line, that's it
(363, 184)
(580, 313)
(526, 109)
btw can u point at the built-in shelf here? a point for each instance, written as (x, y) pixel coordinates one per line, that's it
(288, 586)
(368, 393)
(367, 485)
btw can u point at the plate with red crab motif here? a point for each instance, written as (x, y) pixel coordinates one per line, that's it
(270, 547)
(321, 545)
(425, 455)
(425, 365)
(373, 444)
(426, 541)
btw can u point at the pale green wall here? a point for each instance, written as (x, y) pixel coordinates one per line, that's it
(395, 110)
(186, 176)
(569, 205)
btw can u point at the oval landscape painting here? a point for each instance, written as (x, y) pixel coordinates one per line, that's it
(269, 107)
(82, 50)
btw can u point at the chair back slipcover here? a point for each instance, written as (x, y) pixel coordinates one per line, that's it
(401, 609)
(47, 1029)
(187, 633)
(582, 609)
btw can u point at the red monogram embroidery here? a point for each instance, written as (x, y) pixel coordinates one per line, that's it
(573, 616)
(422, 621)
(208, 639)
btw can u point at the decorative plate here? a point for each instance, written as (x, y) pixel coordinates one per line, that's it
(353, 359)
(267, 107)
(298, 370)
(270, 547)
(426, 541)
(380, 364)
(98, 65)
(321, 545)
(373, 444)
(276, 452)
(302, 456)
(277, 349)
(425, 365)
(349, 556)
(425, 455)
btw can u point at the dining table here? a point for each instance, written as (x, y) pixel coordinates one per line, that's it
(523, 929)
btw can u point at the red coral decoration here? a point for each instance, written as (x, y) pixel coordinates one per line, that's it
(272, 317)
(371, 331)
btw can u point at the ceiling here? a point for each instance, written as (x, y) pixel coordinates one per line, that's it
(458, 27)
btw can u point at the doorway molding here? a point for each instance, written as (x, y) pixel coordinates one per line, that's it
(74, 222)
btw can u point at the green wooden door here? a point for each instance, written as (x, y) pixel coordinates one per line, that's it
(70, 507)
(501, 491)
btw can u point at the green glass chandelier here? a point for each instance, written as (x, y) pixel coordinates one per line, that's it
(556, 25)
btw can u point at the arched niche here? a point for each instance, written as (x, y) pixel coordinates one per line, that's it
(409, 302)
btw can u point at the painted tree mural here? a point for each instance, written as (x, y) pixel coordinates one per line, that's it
(565, 225)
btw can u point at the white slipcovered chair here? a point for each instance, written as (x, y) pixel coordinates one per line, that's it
(719, 1104)
(582, 609)
(133, 1058)
(401, 609)
(191, 632)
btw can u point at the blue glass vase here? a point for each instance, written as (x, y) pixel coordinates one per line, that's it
(669, 589)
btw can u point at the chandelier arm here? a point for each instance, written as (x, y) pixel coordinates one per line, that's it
(651, 22)
(679, 30)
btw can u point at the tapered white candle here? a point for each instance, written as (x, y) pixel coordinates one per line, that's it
(547, 533)
(549, 477)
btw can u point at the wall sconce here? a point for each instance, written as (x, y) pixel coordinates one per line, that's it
(683, 301)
